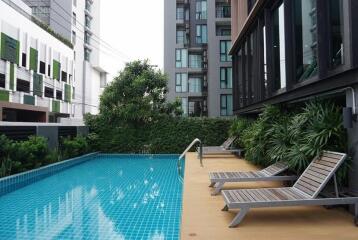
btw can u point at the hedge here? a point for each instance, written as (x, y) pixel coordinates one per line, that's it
(168, 135)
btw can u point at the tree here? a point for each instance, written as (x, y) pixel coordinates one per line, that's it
(137, 95)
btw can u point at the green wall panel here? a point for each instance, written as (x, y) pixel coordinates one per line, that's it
(10, 49)
(56, 106)
(4, 95)
(30, 100)
(12, 76)
(37, 84)
(56, 70)
(68, 93)
(33, 59)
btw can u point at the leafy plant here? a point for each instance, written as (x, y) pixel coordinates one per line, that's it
(74, 147)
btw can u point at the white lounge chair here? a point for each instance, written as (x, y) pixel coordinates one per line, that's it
(271, 173)
(303, 193)
(224, 148)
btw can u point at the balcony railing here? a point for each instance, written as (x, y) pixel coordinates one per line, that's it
(223, 12)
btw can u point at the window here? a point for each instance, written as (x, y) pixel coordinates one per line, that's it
(88, 21)
(195, 84)
(201, 33)
(22, 86)
(279, 52)
(23, 63)
(251, 4)
(88, 5)
(226, 105)
(87, 37)
(336, 33)
(225, 77)
(75, 3)
(87, 54)
(201, 9)
(74, 19)
(225, 46)
(181, 37)
(223, 10)
(196, 107)
(49, 70)
(64, 76)
(2, 80)
(73, 37)
(305, 39)
(181, 82)
(48, 92)
(223, 31)
(181, 58)
(59, 95)
(184, 106)
(180, 13)
(195, 61)
(42, 67)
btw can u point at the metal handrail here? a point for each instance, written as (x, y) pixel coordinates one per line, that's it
(196, 140)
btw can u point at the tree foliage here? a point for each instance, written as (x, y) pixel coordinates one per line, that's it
(137, 95)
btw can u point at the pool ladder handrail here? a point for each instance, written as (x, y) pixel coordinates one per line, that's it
(200, 154)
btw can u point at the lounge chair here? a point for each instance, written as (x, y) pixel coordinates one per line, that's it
(271, 173)
(303, 193)
(225, 148)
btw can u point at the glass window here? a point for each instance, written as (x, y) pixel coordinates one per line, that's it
(201, 9)
(184, 106)
(180, 13)
(195, 85)
(88, 21)
(279, 48)
(225, 46)
(2, 80)
(181, 58)
(196, 107)
(74, 19)
(73, 37)
(87, 37)
(181, 37)
(181, 82)
(195, 61)
(305, 39)
(201, 33)
(223, 10)
(336, 34)
(75, 3)
(88, 5)
(226, 105)
(225, 77)
(87, 54)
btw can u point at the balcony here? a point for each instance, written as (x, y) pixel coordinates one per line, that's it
(223, 11)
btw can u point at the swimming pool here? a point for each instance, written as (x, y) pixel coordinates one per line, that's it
(107, 197)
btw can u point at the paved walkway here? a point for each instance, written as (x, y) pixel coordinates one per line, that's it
(202, 218)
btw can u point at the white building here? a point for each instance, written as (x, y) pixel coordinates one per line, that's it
(37, 69)
(79, 22)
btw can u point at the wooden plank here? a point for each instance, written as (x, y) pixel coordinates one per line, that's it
(332, 155)
(270, 195)
(310, 181)
(312, 172)
(321, 166)
(312, 177)
(320, 171)
(304, 189)
(327, 159)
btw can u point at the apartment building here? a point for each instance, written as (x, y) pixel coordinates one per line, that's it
(36, 69)
(79, 22)
(197, 41)
(287, 51)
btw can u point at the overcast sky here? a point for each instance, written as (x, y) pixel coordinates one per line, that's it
(135, 28)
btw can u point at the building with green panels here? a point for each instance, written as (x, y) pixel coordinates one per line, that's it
(36, 70)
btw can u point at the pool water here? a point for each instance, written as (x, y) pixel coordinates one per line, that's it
(109, 197)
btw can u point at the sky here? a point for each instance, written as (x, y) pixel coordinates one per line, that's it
(135, 28)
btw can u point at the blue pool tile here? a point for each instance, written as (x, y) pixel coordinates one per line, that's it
(108, 197)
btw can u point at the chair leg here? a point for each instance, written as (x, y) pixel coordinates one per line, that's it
(217, 188)
(225, 208)
(238, 218)
(212, 184)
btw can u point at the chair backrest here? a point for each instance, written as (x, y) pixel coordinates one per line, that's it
(319, 172)
(275, 169)
(228, 142)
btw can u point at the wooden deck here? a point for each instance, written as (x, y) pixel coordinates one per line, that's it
(202, 217)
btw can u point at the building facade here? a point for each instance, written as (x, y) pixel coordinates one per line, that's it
(36, 69)
(79, 22)
(197, 41)
(287, 51)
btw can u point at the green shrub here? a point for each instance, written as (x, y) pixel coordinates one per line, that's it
(165, 135)
(5, 161)
(73, 147)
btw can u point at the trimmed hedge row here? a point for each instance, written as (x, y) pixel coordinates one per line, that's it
(168, 135)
